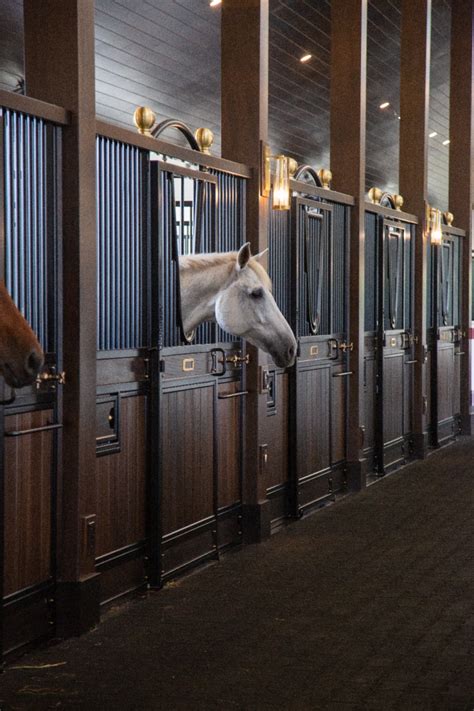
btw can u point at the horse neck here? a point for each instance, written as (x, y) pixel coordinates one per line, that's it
(200, 284)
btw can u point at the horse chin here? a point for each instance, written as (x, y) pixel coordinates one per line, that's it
(282, 361)
(13, 379)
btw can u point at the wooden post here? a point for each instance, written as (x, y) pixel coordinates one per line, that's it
(461, 172)
(413, 181)
(59, 68)
(348, 122)
(244, 81)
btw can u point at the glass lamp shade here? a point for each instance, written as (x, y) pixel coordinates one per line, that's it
(281, 184)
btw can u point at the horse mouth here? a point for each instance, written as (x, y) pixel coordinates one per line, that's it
(14, 380)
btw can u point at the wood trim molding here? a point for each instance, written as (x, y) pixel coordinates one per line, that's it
(413, 182)
(149, 143)
(348, 137)
(34, 107)
(300, 186)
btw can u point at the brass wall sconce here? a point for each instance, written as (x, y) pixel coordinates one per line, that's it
(281, 181)
(433, 221)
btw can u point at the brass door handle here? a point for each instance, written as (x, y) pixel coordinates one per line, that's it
(50, 377)
(346, 346)
(238, 360)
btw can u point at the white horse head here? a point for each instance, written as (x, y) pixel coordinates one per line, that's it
(235, 290)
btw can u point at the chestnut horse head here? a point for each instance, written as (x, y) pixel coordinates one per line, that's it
(21, 356)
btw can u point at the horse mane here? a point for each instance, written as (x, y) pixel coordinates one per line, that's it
(201, 262)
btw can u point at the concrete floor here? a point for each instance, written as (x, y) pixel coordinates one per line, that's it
(367, 604)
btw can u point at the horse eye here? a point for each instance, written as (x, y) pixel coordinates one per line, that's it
(256, 293)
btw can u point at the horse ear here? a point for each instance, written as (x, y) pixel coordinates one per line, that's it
(244, 256)
(258, 257)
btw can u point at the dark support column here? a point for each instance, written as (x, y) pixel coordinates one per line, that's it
(413, 182)
(59, 68)
(244, 81)
(461, 171)
(348, 121)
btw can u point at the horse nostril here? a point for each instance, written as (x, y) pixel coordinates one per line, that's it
(34, 362)
(291, 352)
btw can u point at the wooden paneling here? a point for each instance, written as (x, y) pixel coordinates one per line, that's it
(338, 419)
(313, 453)
(28, 501)
(275, 435)
(393, 397)
(187, 457)
(229, 443)
(121, 482)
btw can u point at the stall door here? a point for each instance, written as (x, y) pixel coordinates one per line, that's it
(395, 346)
(446, 351)
(319, 381)
(126, 326)
(32, 423)
(202, 378)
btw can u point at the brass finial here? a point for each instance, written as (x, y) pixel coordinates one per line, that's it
(448, 218)
(398, 201)
(292, 166)
(205, 138)
(144, 119)
(374, 195)
(325, 177)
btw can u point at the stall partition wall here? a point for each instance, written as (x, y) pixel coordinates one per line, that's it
(30, 231)
(389, 339)
(169, 408)
(444, 337)
(309, 262)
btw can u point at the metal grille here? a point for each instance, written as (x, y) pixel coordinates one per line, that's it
(371, 247)
(280, 259)
(121, 246)
(314, 231)
(207, 219)
(230, 224)
(30, 148)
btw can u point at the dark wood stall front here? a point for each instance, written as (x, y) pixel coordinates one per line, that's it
(445, 336)
(30, 235)
(309, 265)
(389, 338)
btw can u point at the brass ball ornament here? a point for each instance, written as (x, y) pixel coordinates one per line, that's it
(325, 176)
(375, 195)
(205, 138)
(398, 201)
(292, 166)
(144, 119)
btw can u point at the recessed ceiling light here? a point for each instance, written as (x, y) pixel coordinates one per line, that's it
(384, 105)
(214, 3)
(445, 143)
(305, 58)
(433, 134)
